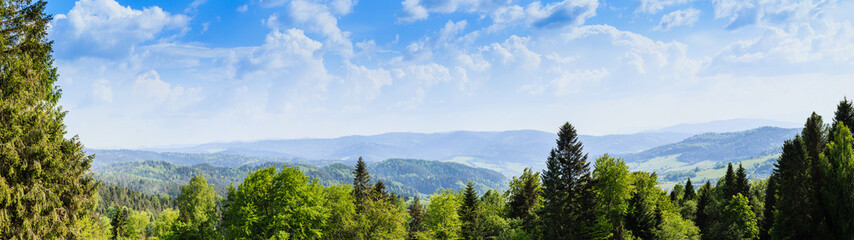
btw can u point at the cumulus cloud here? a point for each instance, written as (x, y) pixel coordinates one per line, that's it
(319, 18)
(151, 88)
(106, 28)
(685, 17)
(365, 83)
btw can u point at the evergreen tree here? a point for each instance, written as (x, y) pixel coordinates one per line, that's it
(844, 113)
(814, 137)
(730, 187)
(119, 223)
(416, 224)
(705, 199)
(689, 191)
(568, 196)
(641, 220)
(742, 183)
(794, 204)
(45, 184)
(770, 207)
(838, 194)
(361, 185)
(378, 192)
(469, 213)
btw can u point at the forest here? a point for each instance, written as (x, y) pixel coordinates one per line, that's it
(48, 190)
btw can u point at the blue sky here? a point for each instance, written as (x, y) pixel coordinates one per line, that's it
(148, 73)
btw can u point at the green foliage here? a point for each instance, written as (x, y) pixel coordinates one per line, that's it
(493, 221)
(45, 188)
(427, 177)
(137, 223)
(384, 218)
(742, 183)
(416, 222)
(689, 193)
(613, 187)
(794, 203)
(838, 194)
(123, 196)
(643, 216)
(738, 220)
(568, 195)
(702, 219)
(469, 212)
(844, 113)
(361, 185)
(525, 199)
(269, 204)
(165, 224)
(675, 227)
(197, 206)
(442, 219)
(342, 221)
(770, 207)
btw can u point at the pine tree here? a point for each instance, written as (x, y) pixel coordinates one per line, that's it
(770, 207)
(45, 185)
(794, 205)
(567, 190)
(676, 193)
(469, 214)
(705, 198)
(742, 183)
(844, 113)
(730, 183)
(689, 191)
(361, 185)
(416, 213)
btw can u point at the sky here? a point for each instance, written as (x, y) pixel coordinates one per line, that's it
(149, 73)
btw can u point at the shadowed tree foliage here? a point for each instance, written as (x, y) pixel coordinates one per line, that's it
(525, 198)
(794, 218)
(730, 187)
(416, 222)
(705, 199)
(361, 185)
(770, 207)
(45, 188)
(742, 183)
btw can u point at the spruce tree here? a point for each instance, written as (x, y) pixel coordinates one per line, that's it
(469, 213)
(705, 199)
(689, 191)
(416, 214)
(730, 183)
(524, 193)
(794, 202)
(45, 185)
(119, 223)
(676, 193)
(770, 207)
(361, 185)
(844, 113)
(815, 139)
(567, 190)
(742, 183)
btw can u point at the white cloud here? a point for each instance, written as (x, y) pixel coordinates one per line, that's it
(151, 88)
(342, 7)
(101, 91)
(318, 18)
(242, 8)
(106, 28)
(514, 51)
(654, 6)
(572, 82)
(366, 83)
(677, 18)
(748, 12)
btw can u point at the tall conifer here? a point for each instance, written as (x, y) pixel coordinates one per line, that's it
(742, 183)
(689, 191)
(45, 184)
(705, 198)
(416, 214)
(794, 205)
(361, 185)
(567, 190)
(730, 183)
(469, 213)
(844, 113)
